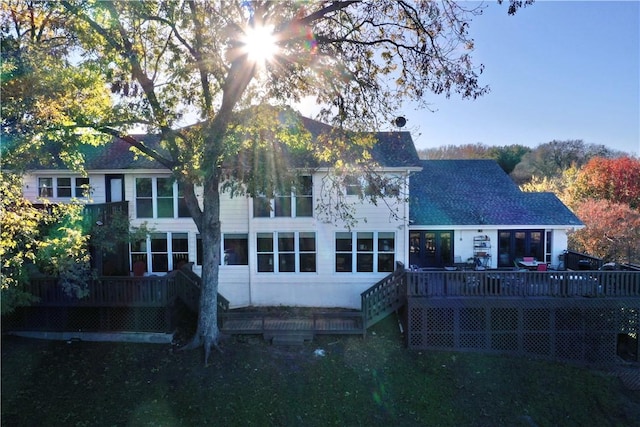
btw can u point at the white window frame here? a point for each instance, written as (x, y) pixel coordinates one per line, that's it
(276, 251)
(224, 257)
(292, 197)
(54, 187)
(358, 250)
(155, 198)
(148, 252)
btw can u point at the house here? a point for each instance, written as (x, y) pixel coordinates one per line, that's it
(471, 210)
(282, 252)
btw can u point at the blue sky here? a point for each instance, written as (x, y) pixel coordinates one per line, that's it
(557, 70)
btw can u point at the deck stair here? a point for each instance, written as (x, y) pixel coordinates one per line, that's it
(385, 297)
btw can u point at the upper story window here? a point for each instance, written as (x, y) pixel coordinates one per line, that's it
(160, 197)
(367, 251)
(298, 203)
(63, 187)
(384, 185)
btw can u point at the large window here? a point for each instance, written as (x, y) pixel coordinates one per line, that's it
(286, 252)
(367, 251)
(159, 198)
(235, 249)
(297, 203)
(63, 187)
(160, 252)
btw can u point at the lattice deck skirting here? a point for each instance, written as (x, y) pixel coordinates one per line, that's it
(583, 330)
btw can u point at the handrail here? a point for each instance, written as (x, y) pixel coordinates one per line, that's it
(384, 297)
(611, 284)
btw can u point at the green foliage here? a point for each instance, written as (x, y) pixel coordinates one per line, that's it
(48, 98)
(50, 240)
(18, 242)
(551, 159)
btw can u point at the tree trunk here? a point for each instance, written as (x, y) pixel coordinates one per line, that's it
(208, 333)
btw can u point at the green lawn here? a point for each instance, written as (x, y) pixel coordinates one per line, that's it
(368, 382)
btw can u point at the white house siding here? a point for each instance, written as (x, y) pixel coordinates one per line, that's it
(244, 285)
(30, 186)
(325, 287)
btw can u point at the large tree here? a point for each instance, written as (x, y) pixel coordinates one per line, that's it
(616, 180)
(216, 60)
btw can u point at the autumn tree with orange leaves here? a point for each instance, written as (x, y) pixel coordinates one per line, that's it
(607, 199)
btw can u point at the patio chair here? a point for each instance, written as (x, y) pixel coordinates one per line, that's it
(542, 267)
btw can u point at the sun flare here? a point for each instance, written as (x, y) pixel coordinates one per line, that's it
(260, 43)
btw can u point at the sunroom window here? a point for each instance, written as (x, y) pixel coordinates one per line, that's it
(286, 252)
(374, 252)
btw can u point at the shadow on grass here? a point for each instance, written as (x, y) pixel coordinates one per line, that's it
(372, 381)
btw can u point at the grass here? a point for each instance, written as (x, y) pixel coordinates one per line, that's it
(369, 382)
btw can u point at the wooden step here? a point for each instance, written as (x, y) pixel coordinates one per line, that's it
(289, 338)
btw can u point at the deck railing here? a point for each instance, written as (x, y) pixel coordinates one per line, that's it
(579, 261)
(125, 291)
(523, 284)
(108, 291)
(384, 297)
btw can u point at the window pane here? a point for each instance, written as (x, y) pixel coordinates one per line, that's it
(353, 186)
(236, 248)
(144, 203)
(365, 242)
(287, 263)
(159, 262)
(386, 242)
(165, 187)
(82, 187)
(343, 263)
(165, 208)
(180, 242)
(179, 260)
(183, 211)
(261, 207)
(139, 246)
(308, 262)
(282, 206)
(143, 187)
(304, 206)
(265, 263)
(265, 242)
(386, 263)
(64, 187)
(365, 263)
(307, 242)
(144, 208)
(343, 242)
(286, 242)
(159, 242)
(45, 187)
